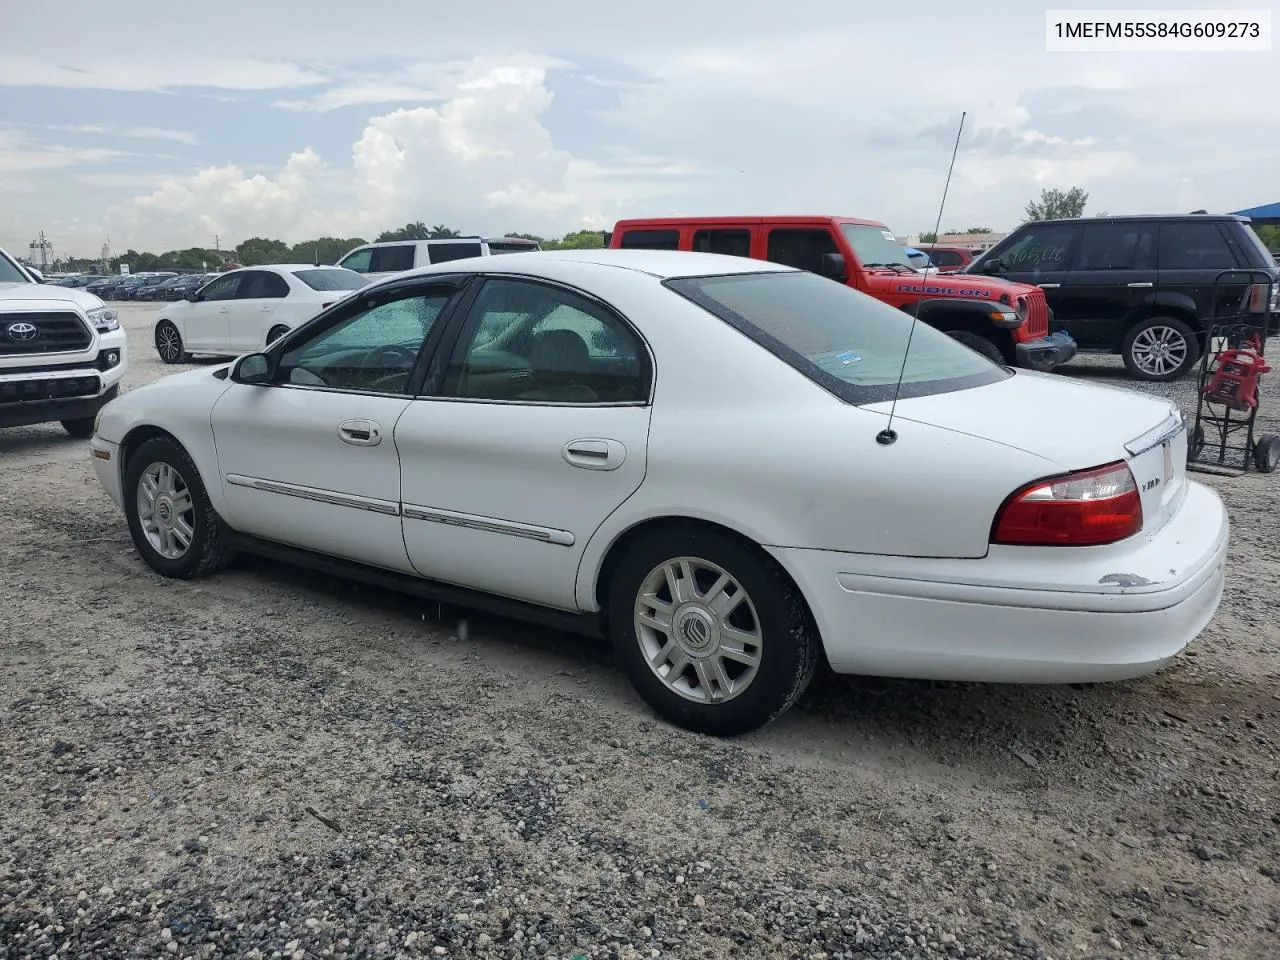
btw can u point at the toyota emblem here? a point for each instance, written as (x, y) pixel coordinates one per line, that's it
(21, 332)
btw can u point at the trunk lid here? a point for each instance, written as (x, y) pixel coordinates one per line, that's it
(1071, 426)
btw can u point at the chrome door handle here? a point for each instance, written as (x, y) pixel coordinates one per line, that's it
(594, 454)
(360, 433)
(1049, 286)
(1142, 284)
(268, 308)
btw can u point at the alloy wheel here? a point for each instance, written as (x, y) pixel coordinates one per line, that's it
(169, 343)
(1159, 350)
(698, 630)
(166, 510)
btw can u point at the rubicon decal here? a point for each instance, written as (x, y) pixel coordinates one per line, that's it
(976, 292)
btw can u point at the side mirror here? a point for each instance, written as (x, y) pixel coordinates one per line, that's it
(989, 267)
(191, 296)
(832, 267)
(252, 368)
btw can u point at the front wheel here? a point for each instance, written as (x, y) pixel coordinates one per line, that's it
(174, 527)
(81, 428)
(1160, 349)
(711, 632)
(169, 343)
(978, 343)
(1266, 453)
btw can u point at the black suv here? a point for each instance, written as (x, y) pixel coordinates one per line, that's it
(1146, 288)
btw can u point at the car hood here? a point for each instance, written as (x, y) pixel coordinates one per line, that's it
(935, 284)
(44, 293)
(1069, 423)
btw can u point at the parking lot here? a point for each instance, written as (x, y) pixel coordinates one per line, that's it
(272, 763)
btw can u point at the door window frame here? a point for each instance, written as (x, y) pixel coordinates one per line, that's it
(249, 274)
(462, 286)
(1081, 244)
(463, 324)
(237, 278)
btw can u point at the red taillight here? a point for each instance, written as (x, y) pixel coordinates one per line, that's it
(1091, 507)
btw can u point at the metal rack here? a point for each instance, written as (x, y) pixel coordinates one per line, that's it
(1228, 394)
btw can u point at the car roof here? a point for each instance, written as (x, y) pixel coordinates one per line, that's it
(662, 264)
(743, 220)
(1146, 218)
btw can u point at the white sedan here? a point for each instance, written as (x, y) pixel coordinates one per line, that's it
(692, 455)
(247, 309)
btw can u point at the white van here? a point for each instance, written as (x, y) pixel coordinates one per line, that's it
(378, 260)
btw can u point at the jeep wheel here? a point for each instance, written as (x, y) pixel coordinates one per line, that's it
(174, 527)
(1160, 349)
(978, 343)
(169, 343)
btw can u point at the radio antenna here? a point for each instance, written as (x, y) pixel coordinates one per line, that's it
(888, 435)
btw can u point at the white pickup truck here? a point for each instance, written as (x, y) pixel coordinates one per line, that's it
(62, 352)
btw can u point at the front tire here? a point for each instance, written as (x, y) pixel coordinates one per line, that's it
(1160, 349)
(174, 527)
(1266, 453)
(712, 634)
(169, 343)
(81, 428)
(978, 343)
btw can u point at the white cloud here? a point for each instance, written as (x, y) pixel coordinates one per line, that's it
(111, 71)
(22, 157)
(139, 133)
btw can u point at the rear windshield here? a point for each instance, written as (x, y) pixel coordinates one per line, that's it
(334, 278)
(511, 246)
(845, 341)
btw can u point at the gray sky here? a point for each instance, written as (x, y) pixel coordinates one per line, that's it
(299, 119)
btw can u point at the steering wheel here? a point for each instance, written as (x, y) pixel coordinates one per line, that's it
(385, 358)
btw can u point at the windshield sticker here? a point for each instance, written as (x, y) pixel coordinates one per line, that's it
(848, 357)
(889, 236)
(977, 292)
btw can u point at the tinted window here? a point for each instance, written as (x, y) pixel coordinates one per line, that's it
(946, 258)
(224, 288)
(373, 350)
(262, 285)
(332, 279)
(803, 249)
(511, 246)
(358, 261)
(651, 240)
(735, 243)
(1194, 246)
(1116, 246)
(843, 340)
(392, 259)
(1038, 248)
(444, 252)
(532, 342)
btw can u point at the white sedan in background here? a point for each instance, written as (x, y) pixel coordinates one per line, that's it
(689, 454)
(246, 309)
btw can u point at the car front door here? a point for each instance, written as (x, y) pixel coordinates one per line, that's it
(528, 438)
(260, 293)
(1039, 255)
(1112, 274)
(308, 458)
(205, 322)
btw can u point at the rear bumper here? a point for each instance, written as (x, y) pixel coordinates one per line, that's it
(1047, 352)
(1023, 615)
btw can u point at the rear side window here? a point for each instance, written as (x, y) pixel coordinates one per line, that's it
(735, 243)
(1194, 246)
(1116, 246)
(261, 285)
(392, 259)
(444, 252)
(334, 278)
(845, 341)
(802, 249)
(651, 240)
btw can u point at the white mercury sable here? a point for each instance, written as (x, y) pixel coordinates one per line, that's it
(682, 452)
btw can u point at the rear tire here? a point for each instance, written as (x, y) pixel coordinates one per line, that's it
(1266, 453)
(1160, 349)
(276, 332)
(169, 343)
(174, 527)
(729, 649)
(978, 343)
(81, 428)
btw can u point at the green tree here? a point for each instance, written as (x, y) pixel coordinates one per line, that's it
(259, 250)
(979, 230)
(441, 232)
(324, 250)
(1270, 235)
(1056, 205)
(578, 240)
(410, 231)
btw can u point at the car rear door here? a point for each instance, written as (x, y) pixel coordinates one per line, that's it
(1192, 256)
(1112, 275)
(259, 295)
(533, 432)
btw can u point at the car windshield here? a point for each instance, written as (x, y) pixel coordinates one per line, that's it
(331, 278)
(874, 246)
(10, 273)
(845, 341)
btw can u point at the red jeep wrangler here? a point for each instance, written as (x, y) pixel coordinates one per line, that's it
(1006, 322)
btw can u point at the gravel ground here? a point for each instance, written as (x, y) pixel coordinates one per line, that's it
(273, 764)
